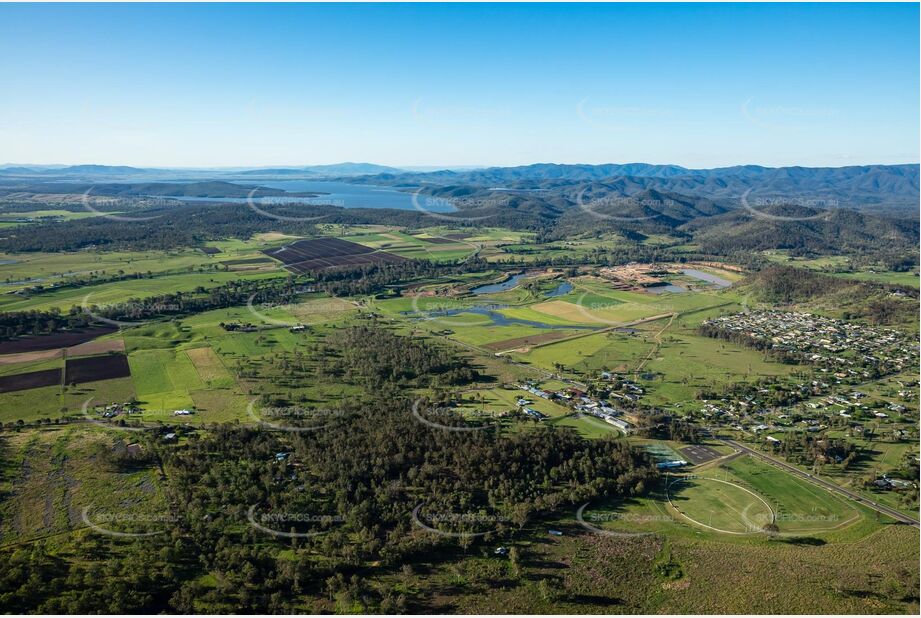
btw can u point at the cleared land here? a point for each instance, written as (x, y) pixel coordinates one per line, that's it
(30, 380)
(323, 253)
(29, 357)
(57, 340)
(96, 368)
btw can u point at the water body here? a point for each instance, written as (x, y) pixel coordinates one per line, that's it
(341, 194)
(561, 290)
(499, 319)
(504, 286)
(669, 287)
(704, 276)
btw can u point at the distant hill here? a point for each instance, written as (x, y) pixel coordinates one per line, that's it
(333, 170)
(802, 230)
(101, 169)
(212, 189)
(857, 186)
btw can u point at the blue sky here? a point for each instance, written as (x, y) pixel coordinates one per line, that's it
(241, 85)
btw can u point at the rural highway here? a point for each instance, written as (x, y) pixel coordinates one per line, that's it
(885, 510)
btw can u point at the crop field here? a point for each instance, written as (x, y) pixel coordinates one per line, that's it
(52, 342)
(211, 370)
(323, 253)
(163, 379)
(24, 358)
(95, 368)
(26, 381)
(320, 310)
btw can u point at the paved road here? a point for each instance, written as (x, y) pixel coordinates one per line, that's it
(885, 510)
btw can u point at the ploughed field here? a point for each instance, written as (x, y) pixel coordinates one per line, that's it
(324, 253)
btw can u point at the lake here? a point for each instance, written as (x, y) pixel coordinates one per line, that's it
(341, 194)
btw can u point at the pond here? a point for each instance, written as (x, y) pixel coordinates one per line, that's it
(668, 287)
(499, 319)
(561, 290)
(709, 278)
(502, 286)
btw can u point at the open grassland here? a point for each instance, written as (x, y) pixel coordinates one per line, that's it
(51, 475)
(684, 364)
(320, 310)
(32, 405)
(895, 278)
(163, 379)
(587, 426)
(211, 370)
(614, 350)
(718, 504)
(799, 506)
(585, 572)
(731, 501)
(46, 266)
(122, 291)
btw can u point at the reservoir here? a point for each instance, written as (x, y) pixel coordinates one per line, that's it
(333, 193)
(703, 276)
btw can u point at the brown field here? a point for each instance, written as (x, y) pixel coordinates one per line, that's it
(28, 381)
(29, 357)
(436, 240)
(207, 364)
(325, 253)
(95, 368)
(319, 309)
(272, 236)
(567, 311)
(92, 348)
(524, 342)
(62, 339)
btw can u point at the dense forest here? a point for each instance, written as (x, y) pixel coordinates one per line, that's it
(273, 519)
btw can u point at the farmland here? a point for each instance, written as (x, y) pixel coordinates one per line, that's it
(609, 356)
(319, 254)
